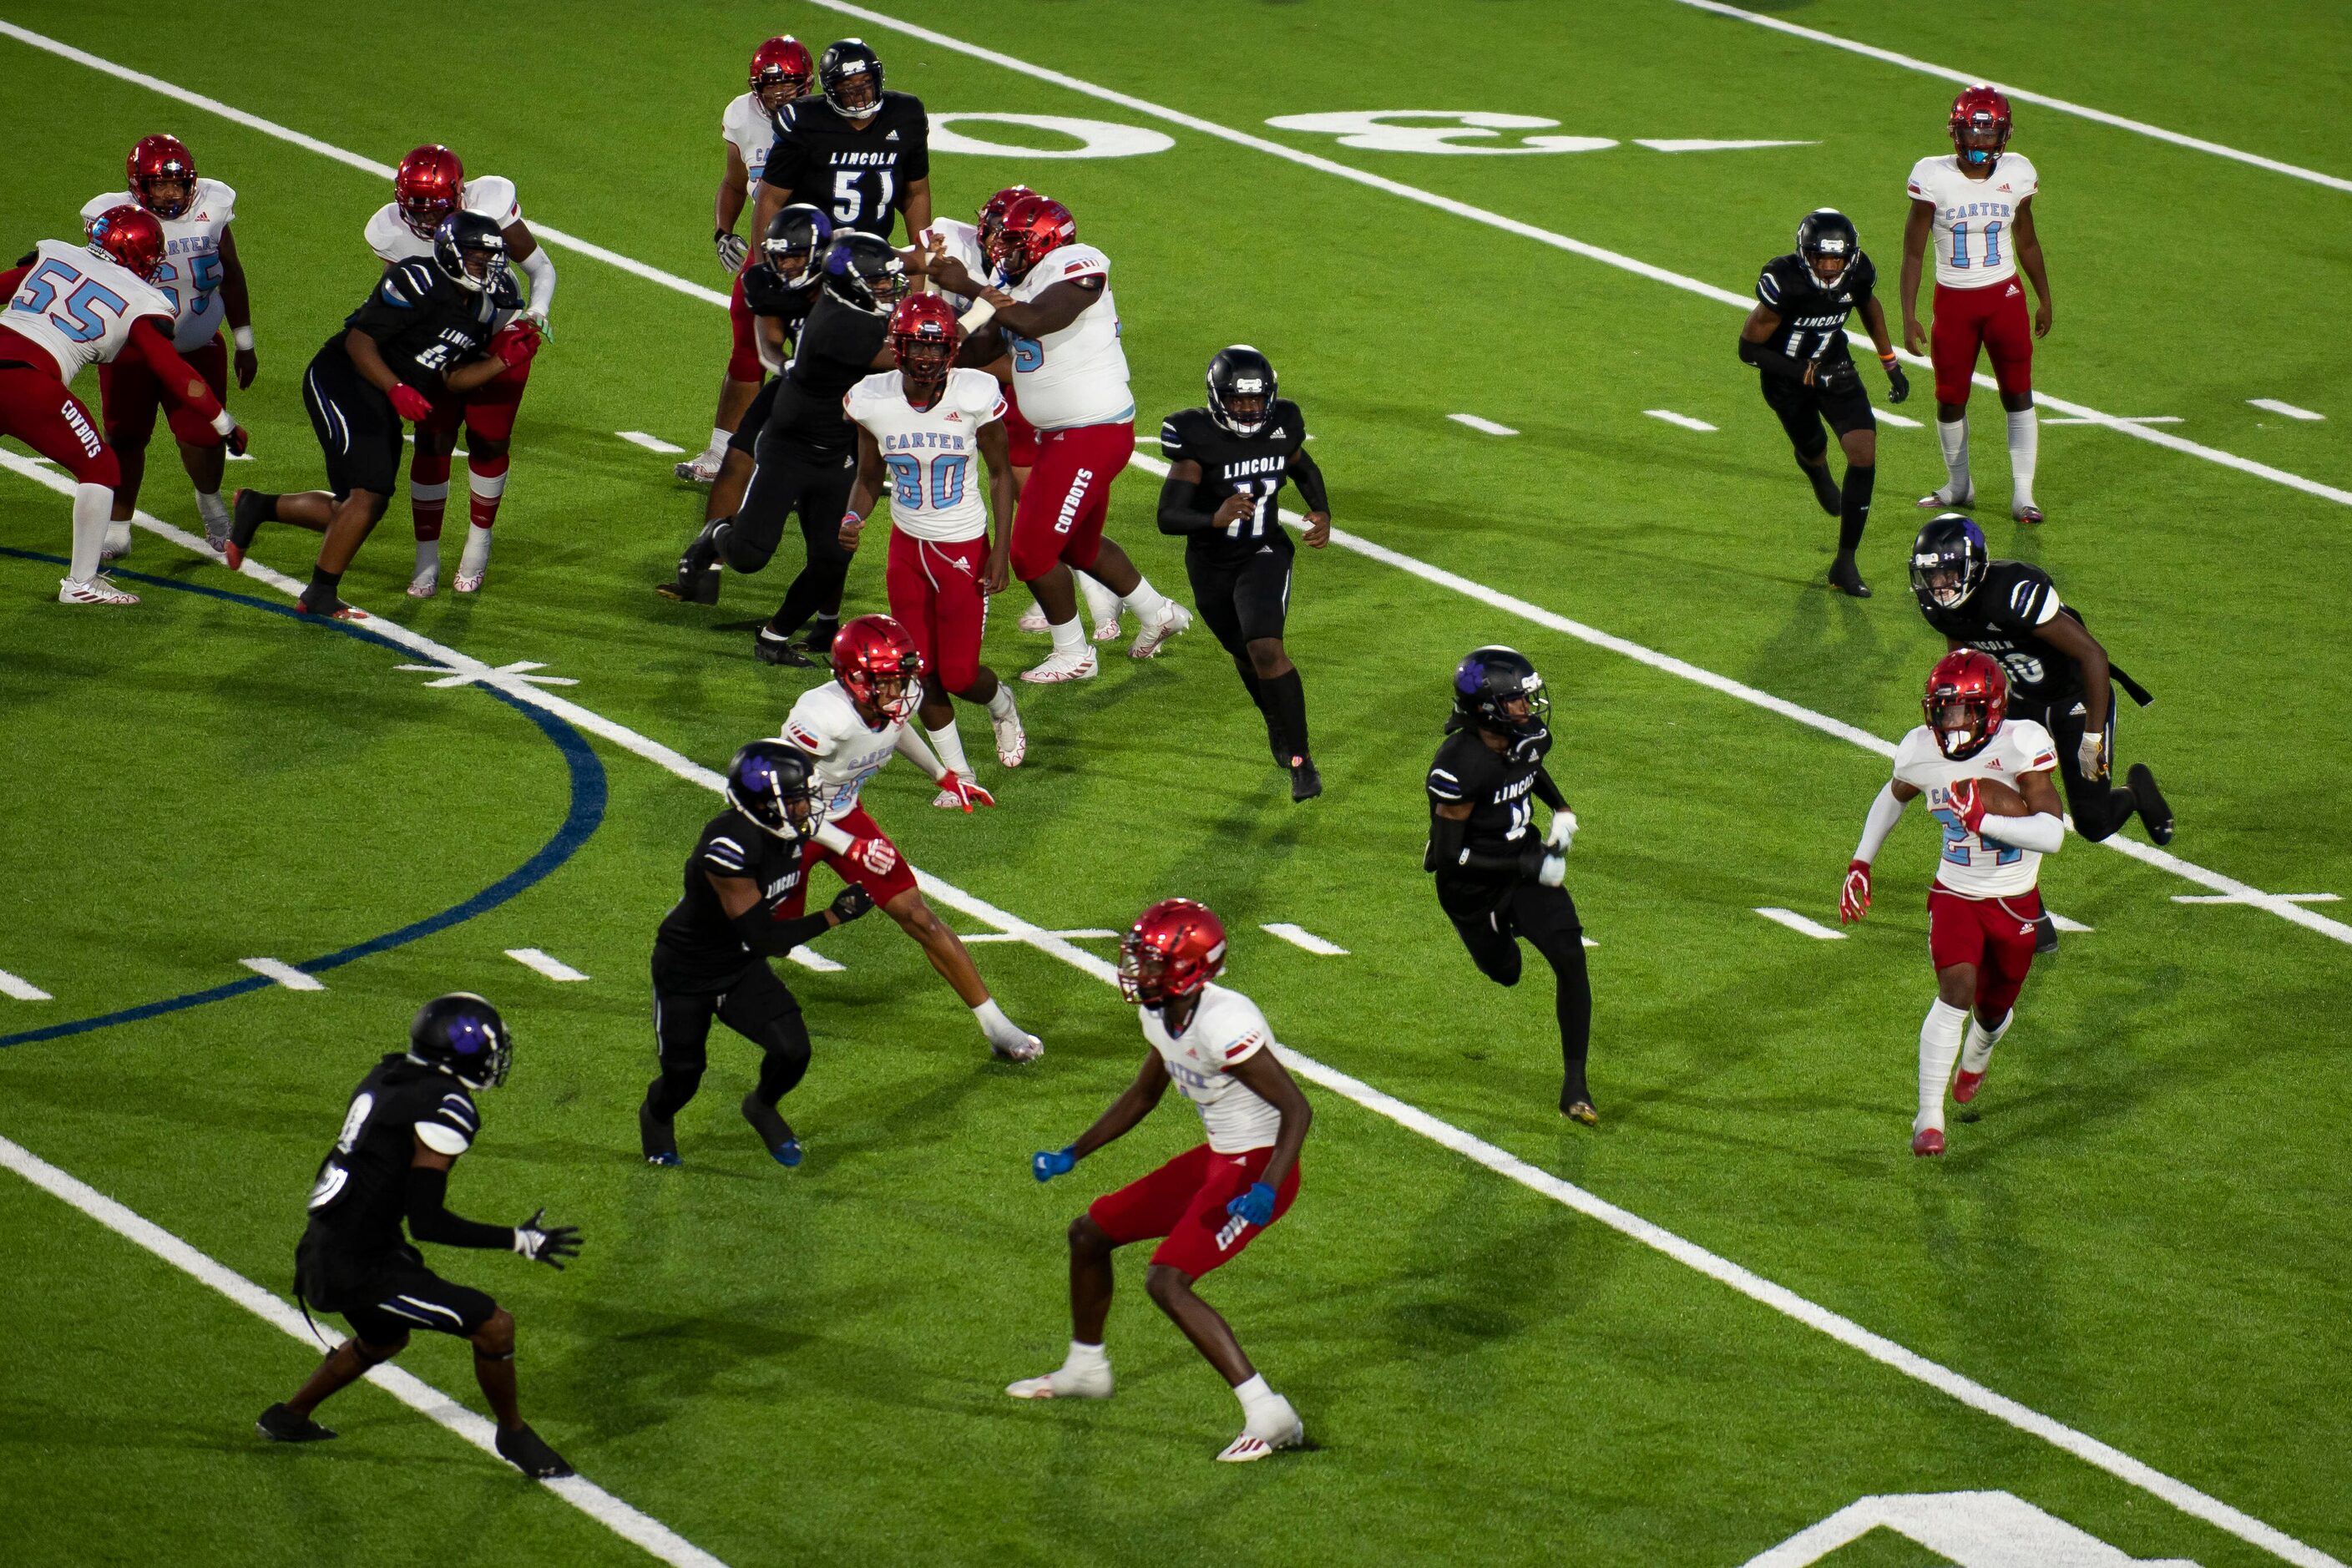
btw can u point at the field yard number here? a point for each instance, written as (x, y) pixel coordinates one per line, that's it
(1469, 131)
(1095, 138)
(1974, 1530)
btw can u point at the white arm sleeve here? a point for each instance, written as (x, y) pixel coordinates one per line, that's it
(833, 837)
(911, 745)
(540, 271)
(979, 316)
(1884, 813)
(2042, 832)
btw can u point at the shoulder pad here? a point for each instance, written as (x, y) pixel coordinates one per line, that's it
(493, 197)
(409, 283)
(218, 199)
(450, 1126)
(96, 204)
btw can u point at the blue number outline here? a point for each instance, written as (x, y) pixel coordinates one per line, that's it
(1992, 243)
(38, 279)
(948, 471)
(906, 480)
(1028, 353)
(1960, 246)
(164, 275)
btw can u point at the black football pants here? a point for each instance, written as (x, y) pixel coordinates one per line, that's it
(2099, 806)
(1547, 918)
(788, 477)
(757, 1005)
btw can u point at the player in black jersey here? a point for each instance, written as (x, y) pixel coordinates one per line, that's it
(779, 289)
(427, 328)
(1495, 879)
(805, 455)
(861, 153)
(1796, 337)
(407, 1123)
(710, 956)
(1227, 463)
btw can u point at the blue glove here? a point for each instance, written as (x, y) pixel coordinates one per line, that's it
(1255, 1206)
(1046, 1164)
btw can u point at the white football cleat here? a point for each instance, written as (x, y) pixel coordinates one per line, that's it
(1936, 499)
(1060, 665)
(469, 582)
(426, 582)
(1275, 1425)
(1012, 741)
(948, 800)
(702, 468)
(95, 589)
(1034, 621)
(1019, 1046)
(118, 542)
(1109, 630)
(1173, 621)
(1066, 1383)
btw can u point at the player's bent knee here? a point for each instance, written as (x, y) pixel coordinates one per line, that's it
(1167, 1285)
(1087, 1237)
(481, 449)
(375, 1354)
(496, 1337)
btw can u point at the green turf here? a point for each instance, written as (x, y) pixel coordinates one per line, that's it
(2141, 1238)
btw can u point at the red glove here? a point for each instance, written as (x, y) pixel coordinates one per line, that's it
(967, 792)
(411, 405)
(1855, 897)
(516, 344)
(1962, 800)
(237, 441)
(876, 855)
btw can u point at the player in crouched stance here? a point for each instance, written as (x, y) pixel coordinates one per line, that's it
(1209, 1202)
(1970, 765)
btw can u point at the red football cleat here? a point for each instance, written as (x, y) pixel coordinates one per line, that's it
(1964, 1086)
(1931, 1141)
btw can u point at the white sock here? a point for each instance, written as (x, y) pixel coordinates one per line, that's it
(1954, 438)
(1146, 600)
(1001, 705)
(93, 506)
(719, 438)
(1977, 1054)
(2025, 447)
(214, 510)
(1070, 636)
(1102, 604)
(992, 1020)
(1939, 1046)
(1085, 1357)
(949, 744)
(428, 555)
(478, 551)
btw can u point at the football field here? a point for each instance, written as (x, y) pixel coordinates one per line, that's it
(1499, 254)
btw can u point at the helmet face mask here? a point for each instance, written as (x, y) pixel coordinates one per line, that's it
(1241, 389)
(471, 252)
(429, 186)
(1949, 560)
(877, 663)
(1827, 244)
(163, 177)
(851, 77)
(796, 236)
(768, 782)
(1173, 948)
(1980, 126)
(780, 72)
(989, 222)
(1965, 701)
(1498, 689)
(131, 237)
(865, 271)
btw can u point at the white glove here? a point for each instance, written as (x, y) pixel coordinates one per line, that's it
(538, 318)
(733, 249)
(1555, 871)
(2092, 755)
(1562, 833)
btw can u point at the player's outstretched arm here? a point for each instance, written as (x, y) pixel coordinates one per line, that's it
(1885, 811)
(152, 346)
(429, 1218)
(740, 898)
(1916, 230)
(996, 452)
(1134, 1103)
(2073, 638)
(1874, 321)
(1049, 312)
(538, 269)
(2029, 261)
(1263, 1074)
(236, 302)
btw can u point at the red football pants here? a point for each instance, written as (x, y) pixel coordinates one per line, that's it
(1993, 318)
(1062, 507)
(934, 590)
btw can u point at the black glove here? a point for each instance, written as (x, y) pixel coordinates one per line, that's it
(547, 1244)
(1837, 375)
(851, 902)
(1898, 385)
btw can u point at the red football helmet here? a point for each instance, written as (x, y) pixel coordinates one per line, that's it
(129, 237)
(429, 186)
(1034, 226)
(876, 662)
(926, 322)
(161, 158)
(991, 216)
(1968, 697)
(1173, 948)
(1980, 124)
(782, 61)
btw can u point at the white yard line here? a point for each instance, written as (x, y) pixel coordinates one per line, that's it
(285, 974)
(809, 958)
(2061, 923)
(2122, 419)
(2228, 898)
(2273, 405)
(1949, 73)
(1797, 923)
(1299, 936)
(531, 958)
(650, 443)
(1485, 426)
(1685, 420)
(428, 1400)
(22, 990)
(1900, 421)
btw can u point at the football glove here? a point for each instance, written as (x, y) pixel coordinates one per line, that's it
(411, 405)
(1898, 385)
(967, 792)
(1047, 1163)
(1256, 1207)
(1963, 800)
(237, 441)
(876, 855)
(547, 1244)
(515, 344)
(1554, 871)
(537, 317)
(2092, 755)
(851, 902)
(733, 249)
(1854, 898)
(1562, 833)
(1838, 376)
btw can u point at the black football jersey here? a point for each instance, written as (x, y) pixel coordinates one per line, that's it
(834, 350)
(1255, 466)
(858, 176)
(1812, 319)
(767, 293)
(2000, 617)
(359, 1197)
(1501, 793)
(696, 944)
(423, 324)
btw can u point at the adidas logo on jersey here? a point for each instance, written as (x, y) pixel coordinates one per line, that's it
(894, 136)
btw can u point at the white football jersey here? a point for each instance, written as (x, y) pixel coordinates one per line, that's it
(79, 306)
(1973, 217)
(825, 724)
(938, 489)
(1226, 1029)
(1978, 865)
(1077, 375)
(190, 274)
(961, 242)
(389, 236)
(751, 132)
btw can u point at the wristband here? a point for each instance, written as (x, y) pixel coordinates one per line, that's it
(719, 234)
(1886, 360)
(853, 517)
(224, 425)
(979, 316)
(243, 338)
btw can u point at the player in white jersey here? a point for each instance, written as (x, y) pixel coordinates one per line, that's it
(71, 305)
(918, 430)
(1209, 1202)
(1985, 902)
(1055, 315)
(1977, 203)
(204, 279)
(850, 727)
(780, 72)
(430, 185)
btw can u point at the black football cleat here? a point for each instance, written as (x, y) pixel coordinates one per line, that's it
(1846, 577)
(1825, 488)
(2045, 935)
(1581, 1111)
(280, 1424)
(1306, 782)
(699, 558)
(818, 644)
(245, 521)
(657, 1138)
(527, 1451)
(702, 590)
(775, 1134)
(769, 648)
(2154, 814)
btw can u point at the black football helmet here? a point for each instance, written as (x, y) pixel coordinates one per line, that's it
(1488, 684)
(798, 231)
(466, 235)
(769, 782)
(463, 1035)
(864, 270)
(1824, 233)
(1239, 375)
(1947, 562)
(840, 63)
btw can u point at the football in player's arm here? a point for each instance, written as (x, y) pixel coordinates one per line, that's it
(1207, 1204)
(1226, 465)
(1984, 907)
(1977, 204)
(407, 1123)
(1496, 881)
(1795, 337)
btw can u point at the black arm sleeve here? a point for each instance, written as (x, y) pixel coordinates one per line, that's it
(1788, 367)
(1447, 852)
(1180, 508)
(429, 1218)
(773, 939)
(1309, 481)
(1547, 791)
